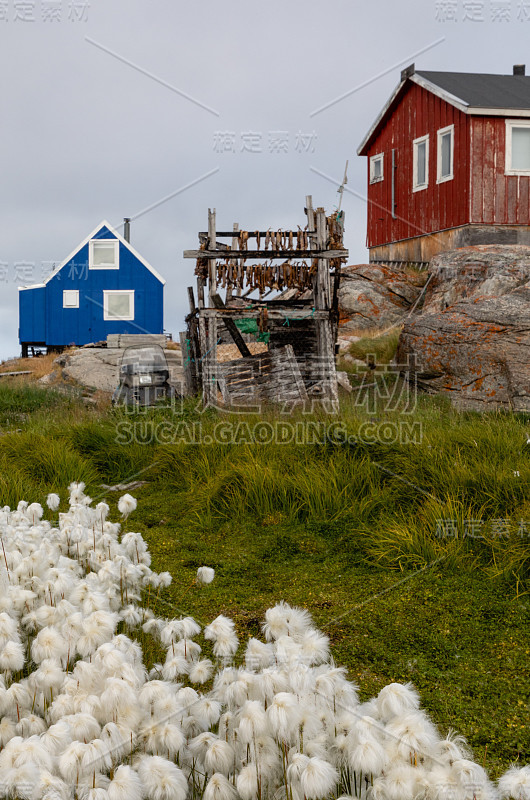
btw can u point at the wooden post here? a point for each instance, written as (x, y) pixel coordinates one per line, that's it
(321, 300)
(232, 328)
(212, 264)
(210, 354)
(310, 214)
(191, 300)
(325, 339)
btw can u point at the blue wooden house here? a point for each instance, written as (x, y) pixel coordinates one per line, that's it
(103, 287)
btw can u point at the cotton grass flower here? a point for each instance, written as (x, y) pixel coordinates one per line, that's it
(201, 671)
(205, 575)
(161, 779)
(318, 778)
(219, 788)
(515, 784)
(125, 785)
(53, 501)
(126, 505)
(247, 782)
(283, 716)
(286, 724)
(12, 657)
(396, 699)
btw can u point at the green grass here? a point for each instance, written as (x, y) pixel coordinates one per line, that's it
(382, 347)
(18, 401)
(348, 528)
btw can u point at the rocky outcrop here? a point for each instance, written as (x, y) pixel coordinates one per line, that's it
(472, 340)
(376, 296)
(98, 367)
(473, 272)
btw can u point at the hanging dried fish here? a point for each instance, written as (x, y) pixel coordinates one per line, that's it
(299, 238)
(257, 239)
(267, 239)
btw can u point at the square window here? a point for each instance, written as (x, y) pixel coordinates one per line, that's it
(376, 168)
(70, 298)
(517, 147)
(103, 254)
(445, 154)
(420, 163)
(118, 305)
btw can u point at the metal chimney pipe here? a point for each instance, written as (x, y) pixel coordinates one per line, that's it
(519, 69)
(127, 229)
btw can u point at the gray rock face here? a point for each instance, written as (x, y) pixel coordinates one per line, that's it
(98, 367)
(375, 296)
(473, 272)
(476, 349)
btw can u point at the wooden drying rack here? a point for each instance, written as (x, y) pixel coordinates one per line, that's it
(302, 320)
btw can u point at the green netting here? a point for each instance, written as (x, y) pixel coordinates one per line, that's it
(251, 326)
(248, 326)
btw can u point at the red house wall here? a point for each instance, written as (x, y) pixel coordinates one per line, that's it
(496, 198)
(439, 206)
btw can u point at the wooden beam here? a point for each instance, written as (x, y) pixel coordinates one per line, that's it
(212, 275)
(191, 300)
(286, 255)
(232, 328)
(282, 313)
(203, 236)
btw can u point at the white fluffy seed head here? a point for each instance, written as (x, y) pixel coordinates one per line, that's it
(125, 785)
(205, 575)
(247, 782)
(318, 778)
(53, 501)
(219, 788)
(515, 784)
(396, 699)
(126, 505)
(161, 779)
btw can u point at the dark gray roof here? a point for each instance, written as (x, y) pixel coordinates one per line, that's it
(484, 91)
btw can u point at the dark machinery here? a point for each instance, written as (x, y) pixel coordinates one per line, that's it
(144, 377)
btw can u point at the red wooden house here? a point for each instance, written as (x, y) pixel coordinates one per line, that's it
(449, 165)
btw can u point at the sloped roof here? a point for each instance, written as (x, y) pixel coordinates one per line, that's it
(472, 93)
(484, 91)
(93, 235)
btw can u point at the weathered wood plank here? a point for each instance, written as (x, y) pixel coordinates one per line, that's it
(271, 377)
(291, 314)
(286, 255)
(231, 327)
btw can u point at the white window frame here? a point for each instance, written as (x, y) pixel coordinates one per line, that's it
(75, 294)
(93, 242)
(440, 133)
(510, 125)
(111, 318)
(379, 157)
(418, 187)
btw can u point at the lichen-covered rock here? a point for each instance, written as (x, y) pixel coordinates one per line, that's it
(473, 272)
(477, 351)
(376, 296)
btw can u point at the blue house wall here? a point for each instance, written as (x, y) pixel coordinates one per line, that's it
(43, 317)
(32, 315)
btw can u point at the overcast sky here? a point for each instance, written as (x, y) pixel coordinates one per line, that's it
(110, 107)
